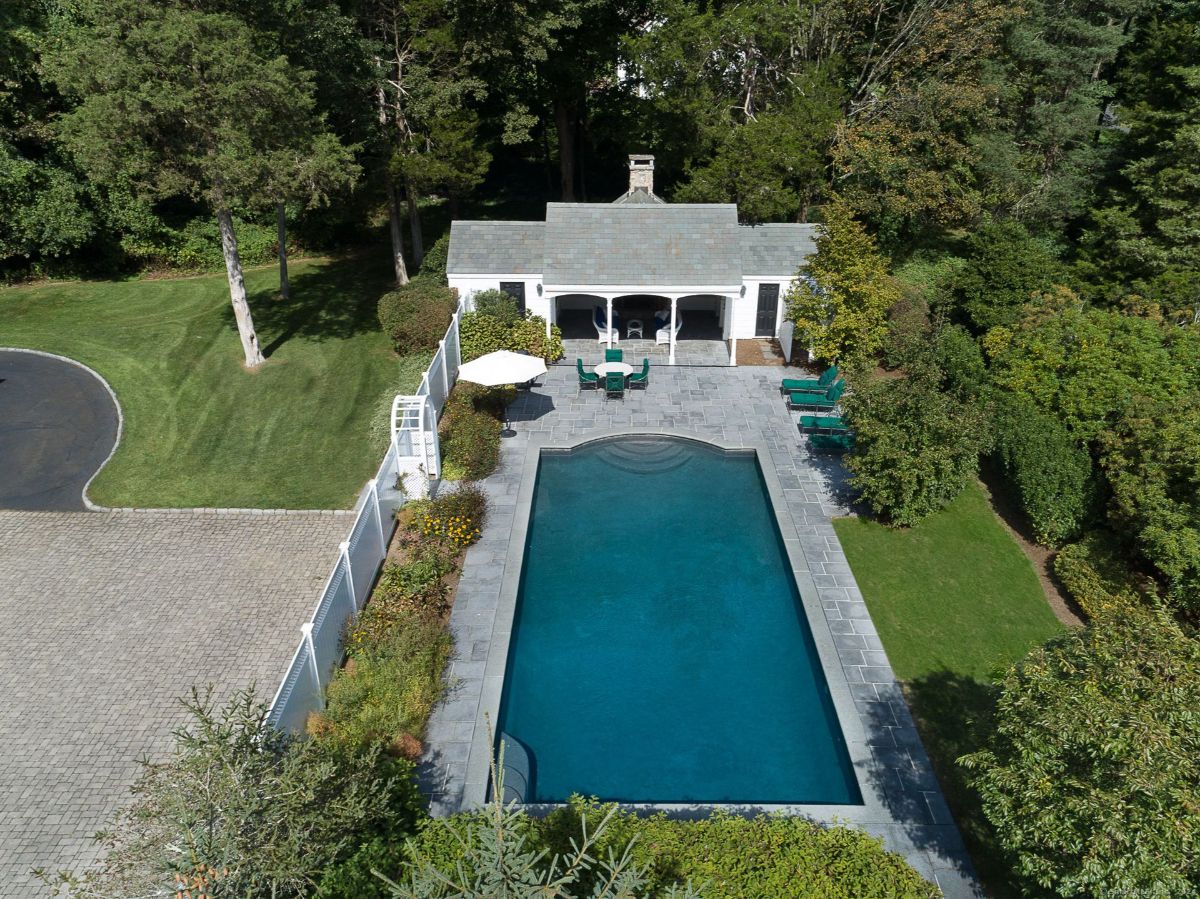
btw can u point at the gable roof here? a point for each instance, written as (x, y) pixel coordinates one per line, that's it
(777, 250)
(496, 248)
(649, 245)
(643, 244)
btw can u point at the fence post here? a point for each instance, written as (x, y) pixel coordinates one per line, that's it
(344, 547)
(445, 368)
(306, 629)
(374, 483)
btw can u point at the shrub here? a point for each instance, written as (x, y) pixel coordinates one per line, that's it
(766, 857)
(433, 265)
(916, 446)
(959, 357)
(1098, 576)
(498, 305)
(1045, 470)
(241, 809)
(908, 330)
(453, 519)
(529, 335)
(1090, 775)
(470, 443)
(1005, 268)
(417, 315)
(389, 686)
(480, 334)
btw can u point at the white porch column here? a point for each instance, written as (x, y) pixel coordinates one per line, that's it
(609, 321)
(674, 305)
(731, 302)
(549, 314)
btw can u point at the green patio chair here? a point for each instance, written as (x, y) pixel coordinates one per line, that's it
(641, 378)
(837, 443)
(614, 355)
(809, 385)
(614, 384)
(822, 423)
(830, 400)
(586, 378)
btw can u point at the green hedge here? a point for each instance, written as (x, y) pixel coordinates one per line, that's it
(766, 857)
(417, 315)
(482, 333)
(1045, 470)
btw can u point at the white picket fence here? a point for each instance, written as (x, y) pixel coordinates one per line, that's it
(408, 470)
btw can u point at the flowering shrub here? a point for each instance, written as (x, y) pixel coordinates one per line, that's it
(454, 520)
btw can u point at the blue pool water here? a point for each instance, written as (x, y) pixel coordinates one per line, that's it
(659, 650)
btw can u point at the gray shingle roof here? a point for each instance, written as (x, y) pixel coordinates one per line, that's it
(776, 249)
(639, 196)
(681, 245)
(496, 248)
(647, 244)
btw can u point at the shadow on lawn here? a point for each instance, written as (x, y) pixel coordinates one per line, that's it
(954, 717)
(333, 301)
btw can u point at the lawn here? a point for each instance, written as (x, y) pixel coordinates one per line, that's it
(955, 601)
(300, 432)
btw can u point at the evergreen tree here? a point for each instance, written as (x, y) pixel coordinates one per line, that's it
(177, 101)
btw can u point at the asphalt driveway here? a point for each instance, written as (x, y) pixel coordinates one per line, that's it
(58, 425)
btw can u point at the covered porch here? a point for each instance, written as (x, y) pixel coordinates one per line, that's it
(666, 328)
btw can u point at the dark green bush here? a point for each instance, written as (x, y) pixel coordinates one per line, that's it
(1045, 470)
(908, 330)
(916, 445)
(529, 336)
(481, 334)
(433, 265)
(1005, 268)
(958, 355)
(417, 315)
(498, 305)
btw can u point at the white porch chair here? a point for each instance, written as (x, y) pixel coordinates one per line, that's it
(663, 334)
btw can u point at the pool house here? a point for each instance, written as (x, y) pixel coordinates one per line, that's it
(678, 283)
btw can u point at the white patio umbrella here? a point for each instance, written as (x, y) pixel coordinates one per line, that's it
(502, 367)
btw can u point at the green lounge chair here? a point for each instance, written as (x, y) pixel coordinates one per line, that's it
(808, 385)
(614, 355)
(586, 378)
(812, 401)
(642, 378)
(614, 384)
(838, 443)
(822, 423)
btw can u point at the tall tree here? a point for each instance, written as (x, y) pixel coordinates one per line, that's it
(841, 298)
(48, 210)
(177, 101)
(424, 87)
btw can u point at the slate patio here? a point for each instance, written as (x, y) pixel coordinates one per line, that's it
(735, 405)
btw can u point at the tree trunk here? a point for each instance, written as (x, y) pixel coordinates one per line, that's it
(237, 289)
(414, 224)
(285, 287)
(394, 227)
(564, 124)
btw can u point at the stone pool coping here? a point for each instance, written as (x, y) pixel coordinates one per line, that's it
(478, 765)
(903, 803)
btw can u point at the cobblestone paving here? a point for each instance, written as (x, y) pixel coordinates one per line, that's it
(735, 405)
(105, 620)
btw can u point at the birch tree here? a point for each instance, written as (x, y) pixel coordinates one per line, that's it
(175, 101)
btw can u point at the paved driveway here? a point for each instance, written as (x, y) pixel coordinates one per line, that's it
(58, 424)
(105, 620)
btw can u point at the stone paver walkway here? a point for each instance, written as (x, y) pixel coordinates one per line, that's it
(737, 406)
(105, 620)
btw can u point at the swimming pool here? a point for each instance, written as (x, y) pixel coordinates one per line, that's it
(660, 651)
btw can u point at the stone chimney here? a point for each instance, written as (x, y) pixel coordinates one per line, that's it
(641, 173)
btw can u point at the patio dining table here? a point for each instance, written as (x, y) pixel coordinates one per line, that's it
(615, 368)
